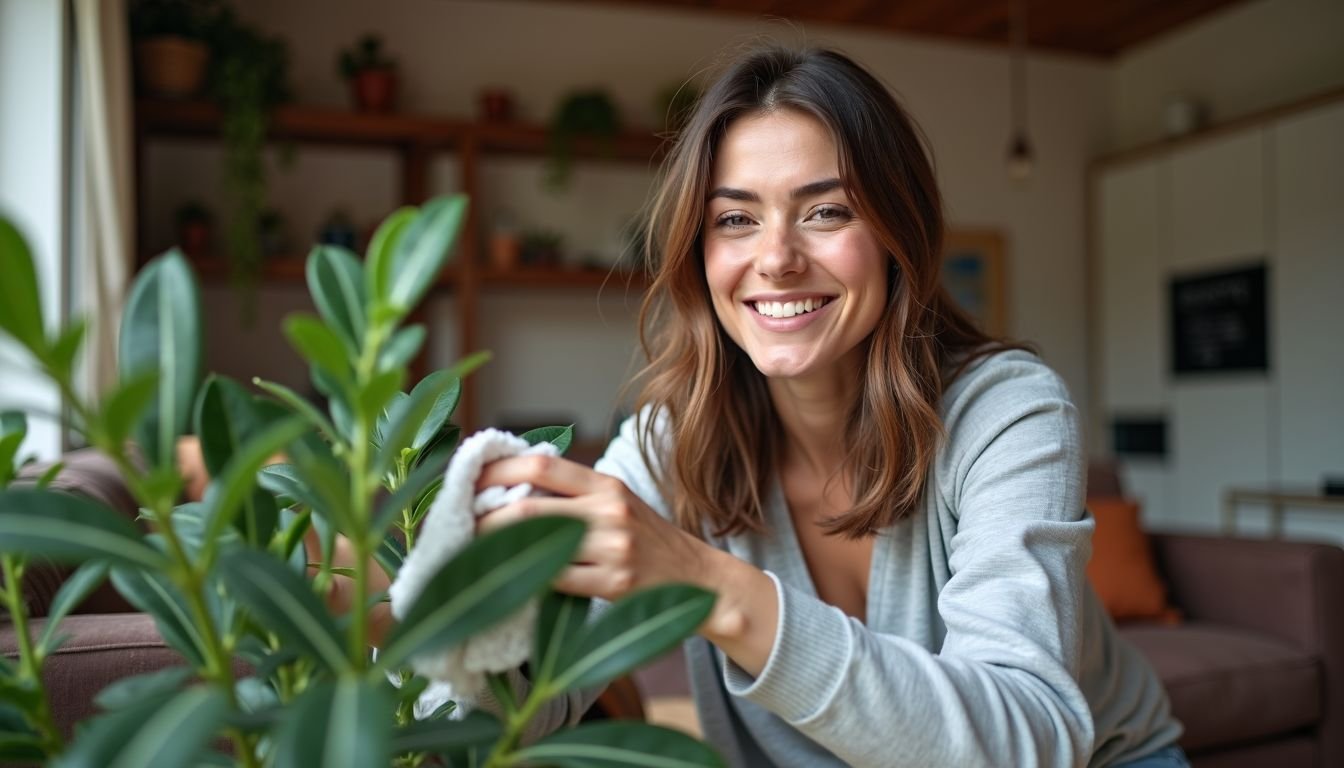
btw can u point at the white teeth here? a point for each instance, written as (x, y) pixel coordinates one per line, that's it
(789, 308)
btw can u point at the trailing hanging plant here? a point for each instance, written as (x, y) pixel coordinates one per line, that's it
(582, 114)
(226, 579)
(248, 78)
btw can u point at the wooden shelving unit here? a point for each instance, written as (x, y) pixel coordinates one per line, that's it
(417, 140)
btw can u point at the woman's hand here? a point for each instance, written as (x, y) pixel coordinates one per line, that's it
(628, 546)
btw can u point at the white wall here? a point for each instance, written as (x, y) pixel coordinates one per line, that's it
(32, 174)
(1249, 57)
(450, 49)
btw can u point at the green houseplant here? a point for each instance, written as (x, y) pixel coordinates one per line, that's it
(581, 115)
(228, 578)
(371, 75)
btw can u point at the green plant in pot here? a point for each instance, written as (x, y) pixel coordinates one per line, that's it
(371, 75)
(581, 115)
(231, 579)
(171, 49)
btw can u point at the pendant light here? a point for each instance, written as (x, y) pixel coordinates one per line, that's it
(1019, 146)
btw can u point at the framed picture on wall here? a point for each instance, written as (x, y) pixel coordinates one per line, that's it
(973, 273)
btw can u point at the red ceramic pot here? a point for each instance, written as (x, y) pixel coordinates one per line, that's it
(375, 90)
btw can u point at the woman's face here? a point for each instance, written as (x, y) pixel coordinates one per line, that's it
(797, 279)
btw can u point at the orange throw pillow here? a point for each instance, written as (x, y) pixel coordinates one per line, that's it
(1122, 570)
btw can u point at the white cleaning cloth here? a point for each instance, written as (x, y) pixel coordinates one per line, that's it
(459, 672)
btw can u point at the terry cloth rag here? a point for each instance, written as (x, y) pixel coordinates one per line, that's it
(459, 672)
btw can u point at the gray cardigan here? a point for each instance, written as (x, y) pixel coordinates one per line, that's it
(983, 645)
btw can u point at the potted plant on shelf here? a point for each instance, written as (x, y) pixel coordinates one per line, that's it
(171, 51)
(265, 664)
(371, 75)
(195, 229)
(582, 114)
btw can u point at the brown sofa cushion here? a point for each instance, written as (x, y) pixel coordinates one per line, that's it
(103, 647)
(1228, 685)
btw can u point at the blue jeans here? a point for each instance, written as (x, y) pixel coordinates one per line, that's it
(1168, 757)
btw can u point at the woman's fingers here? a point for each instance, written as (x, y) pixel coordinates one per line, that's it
(550, 473)
(594, 581)
(535, 506)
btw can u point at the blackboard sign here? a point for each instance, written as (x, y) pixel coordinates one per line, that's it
(1219, 322)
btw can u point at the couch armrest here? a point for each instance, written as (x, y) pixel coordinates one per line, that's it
(88, 473)
(1290, 590)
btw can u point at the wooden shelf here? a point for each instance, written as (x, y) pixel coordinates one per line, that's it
(416, 140)
(558, 277)
(339, 126)
(287, 269)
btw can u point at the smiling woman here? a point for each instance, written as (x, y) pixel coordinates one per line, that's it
(888, 502)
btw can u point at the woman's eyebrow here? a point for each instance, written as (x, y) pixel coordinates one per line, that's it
(807, 190)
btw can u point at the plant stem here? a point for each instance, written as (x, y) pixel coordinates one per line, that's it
(361, 492)
(30, 666)
(514, 725)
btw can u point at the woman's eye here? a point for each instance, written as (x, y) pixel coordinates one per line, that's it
(830, 213)
(733, 220)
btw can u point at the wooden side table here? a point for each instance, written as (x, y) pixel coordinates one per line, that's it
(1277, 500)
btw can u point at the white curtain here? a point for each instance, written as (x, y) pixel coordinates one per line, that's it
(102, 246)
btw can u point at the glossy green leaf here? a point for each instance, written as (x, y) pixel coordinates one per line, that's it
(402, 348)
(9, 448)
(339, 399)
(560, 625)
(422, 250)
(70, 529)
(390, 556)
(619, 743)
(125, 405)
(324, 476)
(20, 299)
(234, 485)
(78, 586)
(337, 284)
(152, 593)
(380, 390)
(51, 473)
(20, 693)
(13, 423)
(450, 391)
(130, 690)
(379, 258)
(161, 331)
(65, 348)
(298, 405)
(560, 437)
(636, 629)
(469, 364)
(487, 581)
(227, 418)
(318, 344)
(345, 723)
(404, 420)
(420, 478)
(284, 603)
(283, 479)
(165, 732)
(437, 735)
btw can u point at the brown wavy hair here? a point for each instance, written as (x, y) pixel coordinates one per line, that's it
(716, 446)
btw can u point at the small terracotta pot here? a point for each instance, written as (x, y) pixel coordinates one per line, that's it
(496, 105)
(194, 237)
(374, 90)
(171, 66)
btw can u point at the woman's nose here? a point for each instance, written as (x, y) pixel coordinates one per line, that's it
(777, 254)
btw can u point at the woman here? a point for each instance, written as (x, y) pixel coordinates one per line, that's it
(888, 503)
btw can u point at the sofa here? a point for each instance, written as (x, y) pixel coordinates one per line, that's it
(109, 639)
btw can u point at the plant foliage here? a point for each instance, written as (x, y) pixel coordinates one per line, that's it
(230, 579)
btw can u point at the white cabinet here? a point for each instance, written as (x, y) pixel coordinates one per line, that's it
(1308, 303)
(1271, 194)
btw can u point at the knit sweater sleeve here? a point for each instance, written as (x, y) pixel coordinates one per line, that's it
(1002, 690)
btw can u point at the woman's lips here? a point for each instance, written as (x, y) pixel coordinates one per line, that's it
(787, 324)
